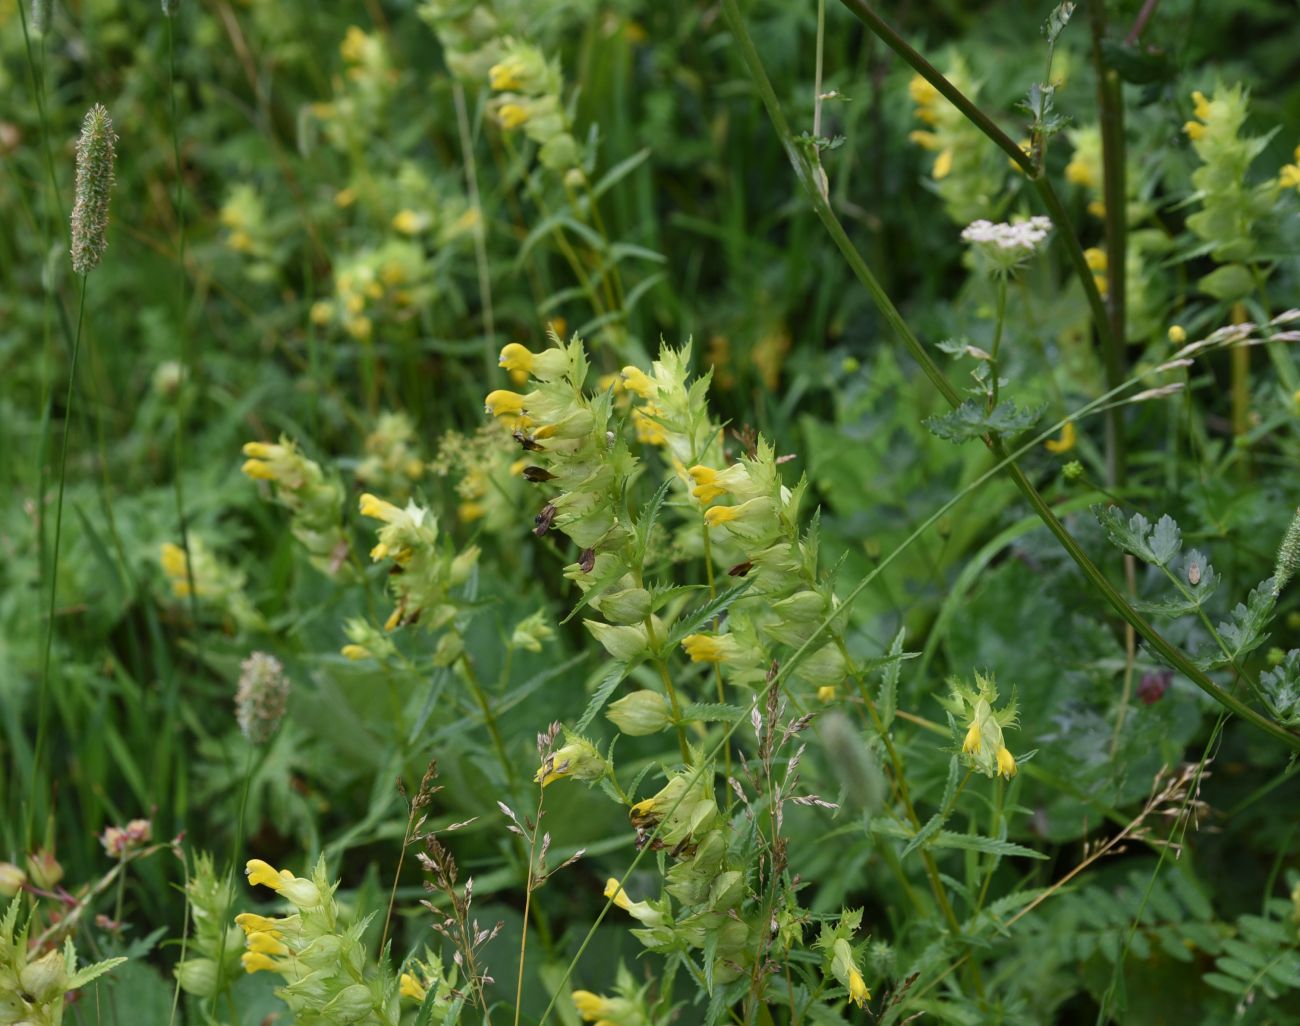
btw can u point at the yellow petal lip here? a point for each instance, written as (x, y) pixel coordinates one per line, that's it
(858, 992)
(258, 470)
(354, 652)
(617, 894)
(410, 987)
(255, 961)
(259, 872)
(516, 357)
(971, 745)
(259, 450)
(1006, 763)
(501, 403)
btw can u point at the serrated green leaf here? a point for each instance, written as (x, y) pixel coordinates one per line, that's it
(616, 675)
(988, 845)
(697, 618)
(888, 703)
(712, 712)
(92, 972)
(972, 419)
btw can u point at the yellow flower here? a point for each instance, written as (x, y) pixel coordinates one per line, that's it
(858, 992)
(641, 809)
(372, 506)
(1065, 443)
(240, 242)
(354, 652)
(1201, 105)
(593, 1007)
(638, 381)
(923, 139)
(258, 470)
(408, 222)
(706, 483)
(1080, 172)
(1103, 285)
(648, 430)
(1177, 334)
(718, 515)
(942, 165)
(1006, 763)
(710, 648)
(511, 115)
(259, 872)
(1195, 130)
(1289, 176)
(504, 76)
(612, 888)
(501, 403)
(353, 47)
(345, 198)
(410, 987)
(322, 312)
(516, 357)
(971, 745)
(922, 92)
(251, 922)
(172, 558)
(267, 942)
(1095, 258)
(471, 511)
(826, 693)
(255, 961)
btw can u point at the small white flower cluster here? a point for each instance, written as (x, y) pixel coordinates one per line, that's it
(1006, 245)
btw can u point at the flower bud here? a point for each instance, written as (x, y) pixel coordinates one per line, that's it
(45, 979)
(351, 1004)
(630, 606)
(640, 713)
(43, 869)
(825, 666)
(578, 759)
(623, 643)
(197, 976)
(450, 648)
(12, 879)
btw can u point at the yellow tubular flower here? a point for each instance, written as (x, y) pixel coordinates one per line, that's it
(258, 470)
(707, 648)
(378, 552)
(1201, 105)
(648, 430)
(942, 165)
(468, 512)
(515, 357)
(1095, 258)
(172, 558)
(1006, 763)
(502, 403)
(255, 961)
(638, 381)
(826, 693)
(923, 139)
(719, 515)
(259, 872)
(354, 652)
(251, 922)
(858, 992)
(614, 891)
(922, 92)
(641, 809)
(411, 988)
(511, 115)
(503, 76)
(590, 1006)
(267, 943)
(261, 450)
(1195, 130)
(706, 483)
(971, 745)
(372, 506)
(1066, 442)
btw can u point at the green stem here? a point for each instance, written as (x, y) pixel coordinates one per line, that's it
(913, 345)
(1110, 102)
(43, 701)
(997, 340)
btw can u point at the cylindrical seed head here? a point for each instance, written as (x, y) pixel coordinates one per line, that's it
(95, 156)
